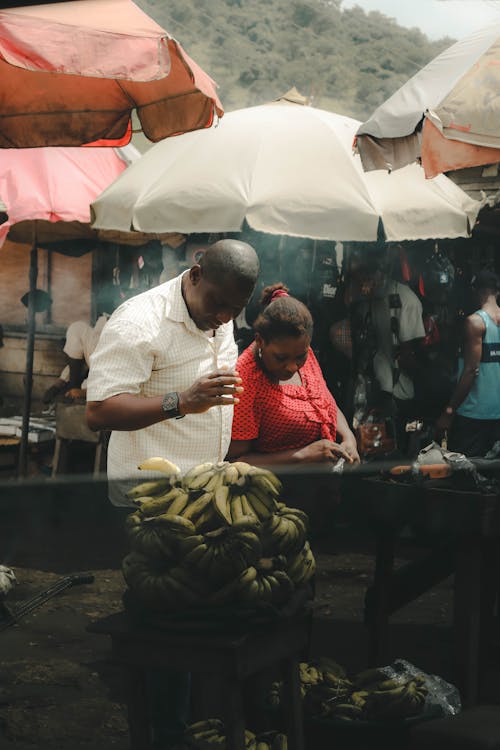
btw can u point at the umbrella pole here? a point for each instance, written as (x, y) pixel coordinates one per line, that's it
(30, 350)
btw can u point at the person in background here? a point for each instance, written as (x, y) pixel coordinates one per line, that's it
(286, 414)
(81, 340)
(472, 417)
(388, 317)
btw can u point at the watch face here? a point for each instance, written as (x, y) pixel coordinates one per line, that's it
(170, 402)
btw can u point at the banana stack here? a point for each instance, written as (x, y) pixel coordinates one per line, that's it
(209, 734)
(218, 535)
(369, 696)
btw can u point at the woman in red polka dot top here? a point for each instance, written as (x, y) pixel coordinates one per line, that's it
(286, 414)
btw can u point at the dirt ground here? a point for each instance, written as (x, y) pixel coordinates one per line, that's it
(59, 690)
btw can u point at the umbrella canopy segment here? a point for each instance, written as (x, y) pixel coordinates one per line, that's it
(71, 73)
(450, 106)
(53, 186)
(47, 192)
(285, 169)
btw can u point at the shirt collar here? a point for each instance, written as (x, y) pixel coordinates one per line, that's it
(176, 308)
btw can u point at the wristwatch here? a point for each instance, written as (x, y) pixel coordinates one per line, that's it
(170, 405)
(450, 411)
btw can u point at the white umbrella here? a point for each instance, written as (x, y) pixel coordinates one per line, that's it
(286, 169)
(447, 114)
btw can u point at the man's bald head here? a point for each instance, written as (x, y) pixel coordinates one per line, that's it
(218, 287)
(230, 262)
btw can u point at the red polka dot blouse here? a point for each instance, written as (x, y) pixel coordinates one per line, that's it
(283, 417)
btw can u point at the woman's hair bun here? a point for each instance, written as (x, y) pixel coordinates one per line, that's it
(268, 291)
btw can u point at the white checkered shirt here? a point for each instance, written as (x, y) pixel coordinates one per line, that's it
(151, 346)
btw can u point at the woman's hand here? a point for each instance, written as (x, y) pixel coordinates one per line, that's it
(351, 449)
(324, 451)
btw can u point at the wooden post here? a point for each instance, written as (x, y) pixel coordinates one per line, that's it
(30, 349)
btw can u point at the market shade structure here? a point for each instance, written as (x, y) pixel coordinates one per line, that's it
(72, 72)
(47, 192)
(447, 115)
(285, 169)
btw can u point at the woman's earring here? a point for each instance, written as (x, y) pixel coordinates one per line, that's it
(259, 352)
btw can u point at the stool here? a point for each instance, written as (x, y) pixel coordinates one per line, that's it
(71, 425)
(233, 657)
(475, 728)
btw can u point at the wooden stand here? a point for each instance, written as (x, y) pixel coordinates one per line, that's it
(231, 657)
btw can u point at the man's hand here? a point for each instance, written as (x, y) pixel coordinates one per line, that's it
(443, 424)
(322, 451)
(218, 389)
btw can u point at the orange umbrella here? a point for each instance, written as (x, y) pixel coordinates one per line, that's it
(72, 72)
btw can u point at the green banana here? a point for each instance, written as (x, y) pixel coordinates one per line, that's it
(221, 503)
(153, 487)
(230, 474)
(195, 471)
(194, 509)
(178, 504)
(199, 481)
(176, 524)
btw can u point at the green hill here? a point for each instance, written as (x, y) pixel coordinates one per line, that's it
(345, 60)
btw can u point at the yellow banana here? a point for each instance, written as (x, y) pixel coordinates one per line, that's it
(157, 463)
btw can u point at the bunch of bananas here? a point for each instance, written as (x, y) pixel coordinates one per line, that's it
(285, 531)
(238, 490)
(208, 734)
(383, 699)
(321, 682)
(216, 535)
(302, 566)
(369, 696)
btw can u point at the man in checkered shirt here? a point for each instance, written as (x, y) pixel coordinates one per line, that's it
(170, 353)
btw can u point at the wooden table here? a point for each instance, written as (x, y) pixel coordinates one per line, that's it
(463, 533)
(234, 657)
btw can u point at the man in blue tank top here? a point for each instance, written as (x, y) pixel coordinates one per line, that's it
(472, 417)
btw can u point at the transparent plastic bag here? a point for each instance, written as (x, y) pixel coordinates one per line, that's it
(442, 697)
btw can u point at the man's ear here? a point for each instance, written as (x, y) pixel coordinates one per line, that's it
(195, 274)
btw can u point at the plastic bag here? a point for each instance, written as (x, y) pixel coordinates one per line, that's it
(442, 697)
